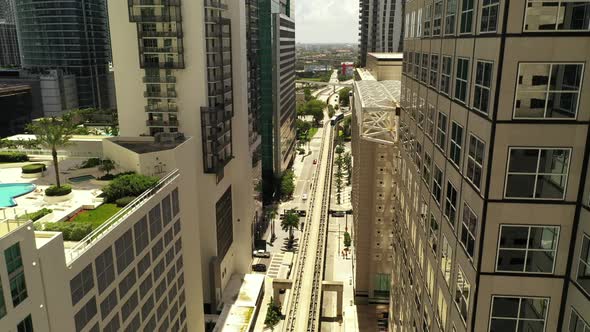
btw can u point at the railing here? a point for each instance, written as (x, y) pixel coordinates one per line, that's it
(215, 4)
(161, 109)
(145, 49)
(159, 79)
(153, 2)
(118, 218)
(161, 123)
(177, 33)
(160, 94)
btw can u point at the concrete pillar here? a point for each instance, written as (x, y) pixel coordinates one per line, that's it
(338, 287)
(339, 301)
(277, 285)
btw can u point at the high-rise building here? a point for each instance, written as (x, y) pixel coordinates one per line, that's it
(9, 53)
(492, 220)
(277, 79)
(80, 47)
(16, 103)
(381, 27)
(181, 69)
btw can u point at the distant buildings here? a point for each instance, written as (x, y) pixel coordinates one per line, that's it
(9, 52)
(347, 68)
(381, 27)
(16, 105)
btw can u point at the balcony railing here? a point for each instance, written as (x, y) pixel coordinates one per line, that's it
(163, 64)
(161, 109)
(153, 3)
(144, 49)
(177, 33)
(215, 4)
(119, 217)
(159, 79)
(164, 17)
(160, 94)
(161, 123)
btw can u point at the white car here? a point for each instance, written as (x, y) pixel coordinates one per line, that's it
(304, 197)
(261, 254)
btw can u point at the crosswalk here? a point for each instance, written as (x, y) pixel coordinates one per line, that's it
(275, 265)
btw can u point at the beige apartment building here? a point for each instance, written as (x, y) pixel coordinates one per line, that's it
(181, 69)
(492, 196)
(374, 147)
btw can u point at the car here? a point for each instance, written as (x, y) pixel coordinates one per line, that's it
(259, 268)
(261, 254)
(301, 213)
(315, 161)
(339, 214)
(304, 197)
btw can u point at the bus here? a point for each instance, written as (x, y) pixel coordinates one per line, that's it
(336, 118)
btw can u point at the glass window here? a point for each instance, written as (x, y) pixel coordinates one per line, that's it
(548, 90)
(514, 314)
(85, 314)
(430, 121)
(441, 131)
(420, 120)
(124, 251)
(475, 160)
(450, 18)
(434, 71)
(425, 68)
(456, 142)
(489, 15)
(446, 260)
(445, 78)
(468, 230)
(2, 302)
(537, 173)
(16, 274)
(105, 270)
(433, 233)
(462, 79)
(26, 325)
(418, 155)
(382, 285)
(466, 16)
(577, 323)
(430, 276)
(419, 24)
(529, 249)
(81, 284)
(441, 310)
(437, 184)
(462, 293)
(483, 83)
(427, 17)
(583, 278)
(451, 204)
(437, 21)
(417, 65)
(557, 15)
(426, 169)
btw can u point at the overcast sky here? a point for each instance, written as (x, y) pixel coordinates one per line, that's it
(326, 21)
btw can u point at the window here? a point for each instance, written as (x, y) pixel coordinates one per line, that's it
(407, 29)
(445, 78)
(557, 15)
(416, 65)
(127, 283)
(419, 24)
(537, 173)
(175, 203)
(451, 17)
(451, 204)
(583, 278)
(16, 274)
(81, 284)
(430, 121)
(427, 16)
(468, 230)
(141, 235)
(577, 323)
(430, 276)
(437, 184)
(456, 141)
(466, 16)
(166, 210)
(426, 169)
(529, 249)
(462, 293)
(155, 222)
(382, 285)
(483, 83)
(462, 80)
(548, 90)
(124, 251)
(434, 71)
(2, 302)
(424, 77)
(85, 314)
(433, 233)
(421, 108)
(475, 160)
(446, 259)
(489, 15)
(441, 131)
(412, 24)
(26, 325)
(436, 23)
(441, 310)
(108, 304)
(512, 314)
(418, 155)
(105, 271)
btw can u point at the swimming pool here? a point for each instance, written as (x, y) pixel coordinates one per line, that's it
(9, 191)
(78, 179)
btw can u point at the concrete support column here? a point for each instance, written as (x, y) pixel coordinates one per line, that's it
(338, 287)
(277, 285)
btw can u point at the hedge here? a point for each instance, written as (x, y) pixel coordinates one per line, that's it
(13, 157)
(61, 191)
(128, 185)
(122, 202)
(33, 168)
(38, 214)
(72, 231)
(92, 162)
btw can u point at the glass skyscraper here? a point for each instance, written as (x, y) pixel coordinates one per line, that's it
(71, 35)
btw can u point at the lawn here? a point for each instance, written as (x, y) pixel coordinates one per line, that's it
(98, 215)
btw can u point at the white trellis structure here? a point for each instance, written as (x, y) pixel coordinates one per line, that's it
(376, 108)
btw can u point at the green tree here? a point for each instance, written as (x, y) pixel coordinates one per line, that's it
(107, 166)
(347, 240)
(348, 166)
(343, 96)
(307, 94)
(289, 222)
(346, 125)
(339, 149)
(287, 184)
(315, 108)
(273, 314)
(53, 133)
(331, 111)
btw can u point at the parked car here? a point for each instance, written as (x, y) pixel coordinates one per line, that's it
(261, 254)
(259, 267)
(301, 213)
(304, 197)
(338, 214)
(315, 161)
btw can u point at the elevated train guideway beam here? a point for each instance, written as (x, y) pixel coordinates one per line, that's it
(345, 85)
(376, 110)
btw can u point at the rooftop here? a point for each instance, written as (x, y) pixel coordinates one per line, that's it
(377, 114)
(148, 144)
(12, 89)
(387, 56)
(241, 297)
(379, 94)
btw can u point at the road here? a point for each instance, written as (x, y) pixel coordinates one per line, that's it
(303, 309)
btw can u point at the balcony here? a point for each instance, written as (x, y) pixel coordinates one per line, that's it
(217, 49)
(150, 3)
(161, 108)
(215, 4)
(218, 34)
(158, 18)
(159, 79)
(162, 123)
(159, 94)
(176, 50)
(177, 34)
(179, 64)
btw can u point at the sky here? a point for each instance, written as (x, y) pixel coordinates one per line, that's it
(326, 21)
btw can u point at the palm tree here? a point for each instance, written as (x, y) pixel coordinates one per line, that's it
(53, 133)
(290, 221)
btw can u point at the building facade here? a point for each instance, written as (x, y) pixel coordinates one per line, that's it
(16, 103)
(181, 69)
(492, 197)
(381, 27)
(9, 53)
(80, 48)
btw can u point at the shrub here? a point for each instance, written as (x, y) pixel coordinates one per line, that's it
(38, 214)
(92, 162)
(128, 185)
(13, 157)
(33, 168)
(107, 177)
(122, 202)
(72, 231)
(58, 191)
